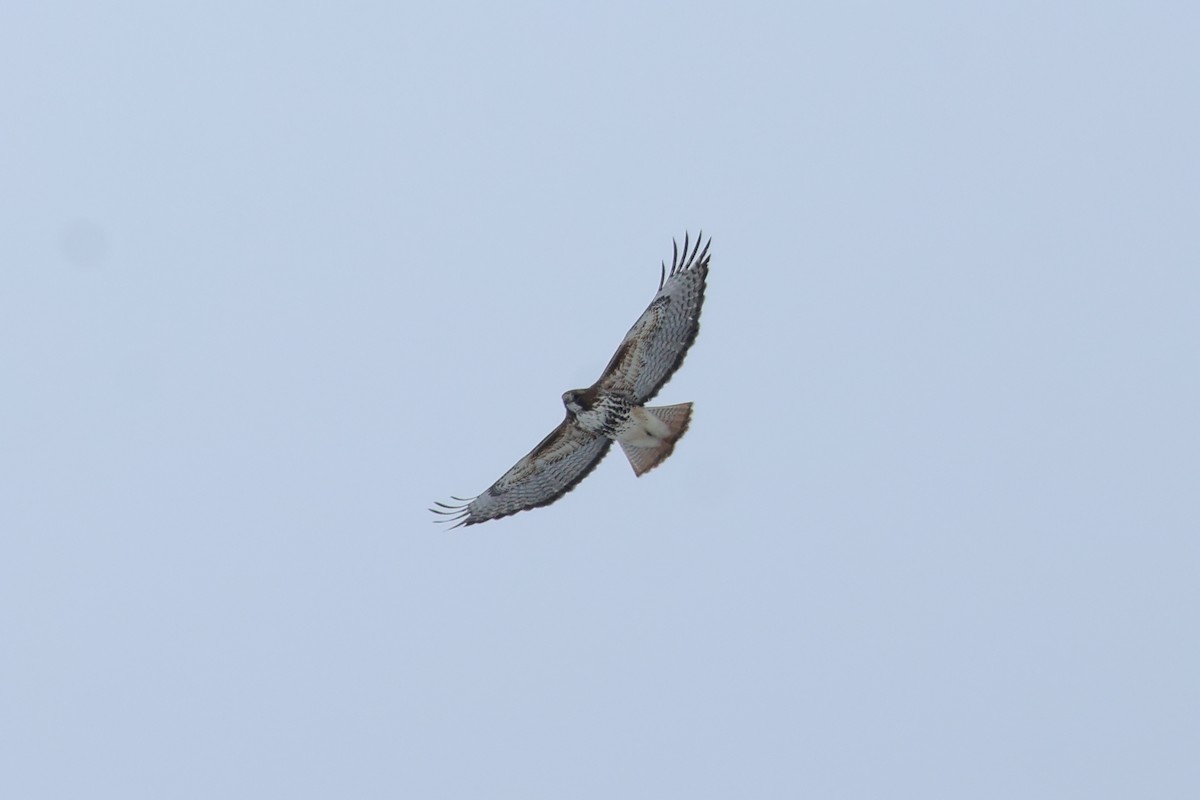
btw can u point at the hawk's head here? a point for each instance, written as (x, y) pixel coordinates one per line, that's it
(576, 401)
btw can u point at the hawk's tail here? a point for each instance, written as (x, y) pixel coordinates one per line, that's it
(672, 422)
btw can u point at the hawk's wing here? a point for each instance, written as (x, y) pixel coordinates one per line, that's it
(551, 469)
(657, 343)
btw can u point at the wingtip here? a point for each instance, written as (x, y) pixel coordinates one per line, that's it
(703, 259)
(457, 513)
(691, 255)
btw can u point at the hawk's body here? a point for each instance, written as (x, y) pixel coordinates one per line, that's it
(612, 409)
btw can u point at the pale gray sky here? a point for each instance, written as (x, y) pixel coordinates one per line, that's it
(273, 278)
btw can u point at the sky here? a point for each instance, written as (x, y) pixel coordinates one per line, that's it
(274, 277)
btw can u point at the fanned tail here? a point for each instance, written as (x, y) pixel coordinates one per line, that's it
(675, 420)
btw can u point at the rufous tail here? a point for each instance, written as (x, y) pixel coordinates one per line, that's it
(676, 420)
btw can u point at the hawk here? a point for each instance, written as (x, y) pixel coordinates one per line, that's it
(613, 408)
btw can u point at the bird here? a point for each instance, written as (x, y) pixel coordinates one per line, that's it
(614, 407)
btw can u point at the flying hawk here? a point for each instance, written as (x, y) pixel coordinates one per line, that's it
(613, 408)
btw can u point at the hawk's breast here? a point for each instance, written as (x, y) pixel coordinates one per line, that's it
(607, 414)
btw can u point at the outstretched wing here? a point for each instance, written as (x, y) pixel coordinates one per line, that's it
(551, 469)
(658, 342)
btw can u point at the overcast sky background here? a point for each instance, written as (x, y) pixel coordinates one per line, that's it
(273, 278)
